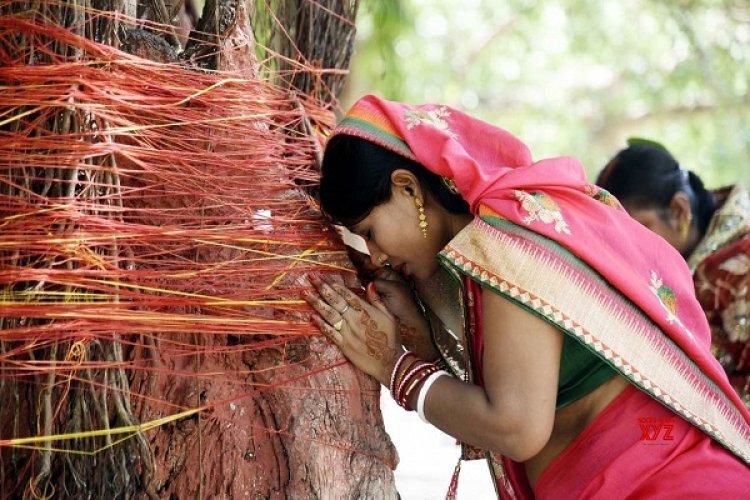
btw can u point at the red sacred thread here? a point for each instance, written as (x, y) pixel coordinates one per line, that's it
(151, 208)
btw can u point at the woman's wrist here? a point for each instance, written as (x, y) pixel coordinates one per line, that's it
(389, 367)
(408, 374)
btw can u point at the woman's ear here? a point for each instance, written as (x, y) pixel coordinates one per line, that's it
(680, 212)
(406, 182)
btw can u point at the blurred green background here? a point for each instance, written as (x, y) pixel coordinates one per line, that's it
(574, 77)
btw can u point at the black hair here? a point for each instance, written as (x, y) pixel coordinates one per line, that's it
(647, 176)
(356, 177)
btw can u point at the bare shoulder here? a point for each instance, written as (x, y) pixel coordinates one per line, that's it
(511, 319)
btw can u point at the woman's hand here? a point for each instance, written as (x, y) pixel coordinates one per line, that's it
(413, 328)
(365, 331)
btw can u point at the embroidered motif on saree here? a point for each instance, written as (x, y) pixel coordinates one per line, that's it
(668, 300)
(602, 195)
(542, 208)
(435, 117)
(665, 295)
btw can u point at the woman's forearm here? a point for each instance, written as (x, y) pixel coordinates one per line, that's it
(464, 412)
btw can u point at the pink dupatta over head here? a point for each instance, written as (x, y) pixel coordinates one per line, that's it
(491, 168)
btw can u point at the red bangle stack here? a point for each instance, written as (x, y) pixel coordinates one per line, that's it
(408, 374)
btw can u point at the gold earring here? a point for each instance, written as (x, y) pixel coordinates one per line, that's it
(684, 230)
(422, 217)
(685, 227)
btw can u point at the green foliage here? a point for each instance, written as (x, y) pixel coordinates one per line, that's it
(574, 77)
(381, 22)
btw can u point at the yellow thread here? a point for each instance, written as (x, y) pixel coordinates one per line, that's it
(175, 318)
(37, 212)
(185, 123)
(18, 117)
(212, 300)
(77, 452)
(210, 88)
(132, 429)
(281, 276)
(216, 302)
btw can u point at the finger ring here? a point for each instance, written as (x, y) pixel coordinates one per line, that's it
(338, 325)
(343, 311)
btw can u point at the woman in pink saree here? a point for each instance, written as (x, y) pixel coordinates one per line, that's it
(566, 345)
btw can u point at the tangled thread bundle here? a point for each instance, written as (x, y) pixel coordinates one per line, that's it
(153, 217)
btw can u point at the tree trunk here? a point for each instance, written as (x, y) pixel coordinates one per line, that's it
(247, 413)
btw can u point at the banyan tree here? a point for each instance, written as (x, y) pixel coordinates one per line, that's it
(158, 167)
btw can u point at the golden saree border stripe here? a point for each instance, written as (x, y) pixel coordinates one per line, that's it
(549, 281)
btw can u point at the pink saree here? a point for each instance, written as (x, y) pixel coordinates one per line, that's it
(637, 448)
(559, 246)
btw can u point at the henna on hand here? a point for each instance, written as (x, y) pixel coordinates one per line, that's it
(376, 340)
(408, 333)
(357, 306)
(419, 343)
(328, 295)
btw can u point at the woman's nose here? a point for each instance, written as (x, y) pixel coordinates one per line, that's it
(378, 258)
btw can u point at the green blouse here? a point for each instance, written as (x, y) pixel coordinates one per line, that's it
(581, 371)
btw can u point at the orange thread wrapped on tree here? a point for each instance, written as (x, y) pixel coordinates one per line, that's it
(156, 225)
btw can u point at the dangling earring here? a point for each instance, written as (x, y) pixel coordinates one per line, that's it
(684, 230)
(685, 227)
(422, 217)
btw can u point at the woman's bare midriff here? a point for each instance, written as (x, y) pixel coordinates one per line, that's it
(571, 421)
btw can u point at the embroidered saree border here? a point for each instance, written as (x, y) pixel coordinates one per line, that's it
(730, 223)
(548, 280)
(373, 128)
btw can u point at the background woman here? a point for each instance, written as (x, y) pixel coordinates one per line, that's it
(712, 232)
(571, 333)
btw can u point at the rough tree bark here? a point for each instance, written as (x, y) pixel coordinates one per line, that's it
(320, 437)
(251, 462)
